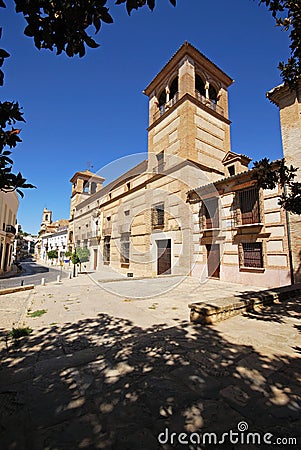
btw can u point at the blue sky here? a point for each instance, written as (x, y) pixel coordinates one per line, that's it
(92, 110)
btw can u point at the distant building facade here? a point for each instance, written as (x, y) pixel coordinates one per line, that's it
(9, 204)
(52, 236)
(24, 244)
(192, 208)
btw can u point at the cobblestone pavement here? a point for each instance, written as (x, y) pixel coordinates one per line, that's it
(102, 371)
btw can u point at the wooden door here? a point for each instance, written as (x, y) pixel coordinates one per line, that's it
(213, 260)
(95, 259)
(164, 257)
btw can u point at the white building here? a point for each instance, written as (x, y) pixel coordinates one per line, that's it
(9, 204)
(55, 241)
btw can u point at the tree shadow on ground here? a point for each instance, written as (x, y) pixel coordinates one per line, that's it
(105, 383)
(274, 311)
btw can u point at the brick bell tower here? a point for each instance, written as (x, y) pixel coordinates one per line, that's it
(188, 113)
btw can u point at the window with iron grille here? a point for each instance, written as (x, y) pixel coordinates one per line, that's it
(125, 249)
(158, 216)
(106, 250)
(211, 212)
(249, 206)
(252, 254)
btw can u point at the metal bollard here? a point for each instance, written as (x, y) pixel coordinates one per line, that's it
(43, 282)
(22, 282)
(58, 278)
(70, 275)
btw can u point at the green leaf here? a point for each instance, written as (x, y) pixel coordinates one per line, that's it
(3, 53)
(90, 42)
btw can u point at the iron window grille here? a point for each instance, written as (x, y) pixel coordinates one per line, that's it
(252, 254)
(249, 206)
(158, 216)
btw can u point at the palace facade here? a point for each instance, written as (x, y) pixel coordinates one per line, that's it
(192, 208)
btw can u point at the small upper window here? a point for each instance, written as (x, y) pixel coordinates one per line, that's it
(86, 187)
(93, 187)
(231, 170)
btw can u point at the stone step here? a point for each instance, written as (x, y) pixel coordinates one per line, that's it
(209, 313)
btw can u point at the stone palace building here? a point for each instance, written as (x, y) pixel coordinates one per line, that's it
(192, 208)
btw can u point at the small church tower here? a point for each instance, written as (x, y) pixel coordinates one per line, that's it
(188, 113)
(46, 219)
(83, 184)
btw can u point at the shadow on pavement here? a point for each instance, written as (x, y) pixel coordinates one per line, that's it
(105, 383)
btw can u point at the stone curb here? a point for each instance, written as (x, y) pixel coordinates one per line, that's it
(208, 314)
(16, 289)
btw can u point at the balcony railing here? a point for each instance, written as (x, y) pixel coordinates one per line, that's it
(10, 229)
(209, 103)
(163, 108)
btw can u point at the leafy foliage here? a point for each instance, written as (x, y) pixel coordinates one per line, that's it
(10, 114)
(269, 174)
(287, 14)
(17, 333)
(52, 254)
(83, 254)
(66, 25)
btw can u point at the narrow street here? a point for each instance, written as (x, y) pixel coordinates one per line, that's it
(32, 273)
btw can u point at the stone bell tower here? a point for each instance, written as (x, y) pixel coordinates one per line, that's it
(46, 217)
(188, 113)
(83, 184)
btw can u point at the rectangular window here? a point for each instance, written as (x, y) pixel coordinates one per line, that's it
(106, 250)
(231, 170)
(252, 254)
(249, 206)
(211, 212)
(125, 250)
(158, 216)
